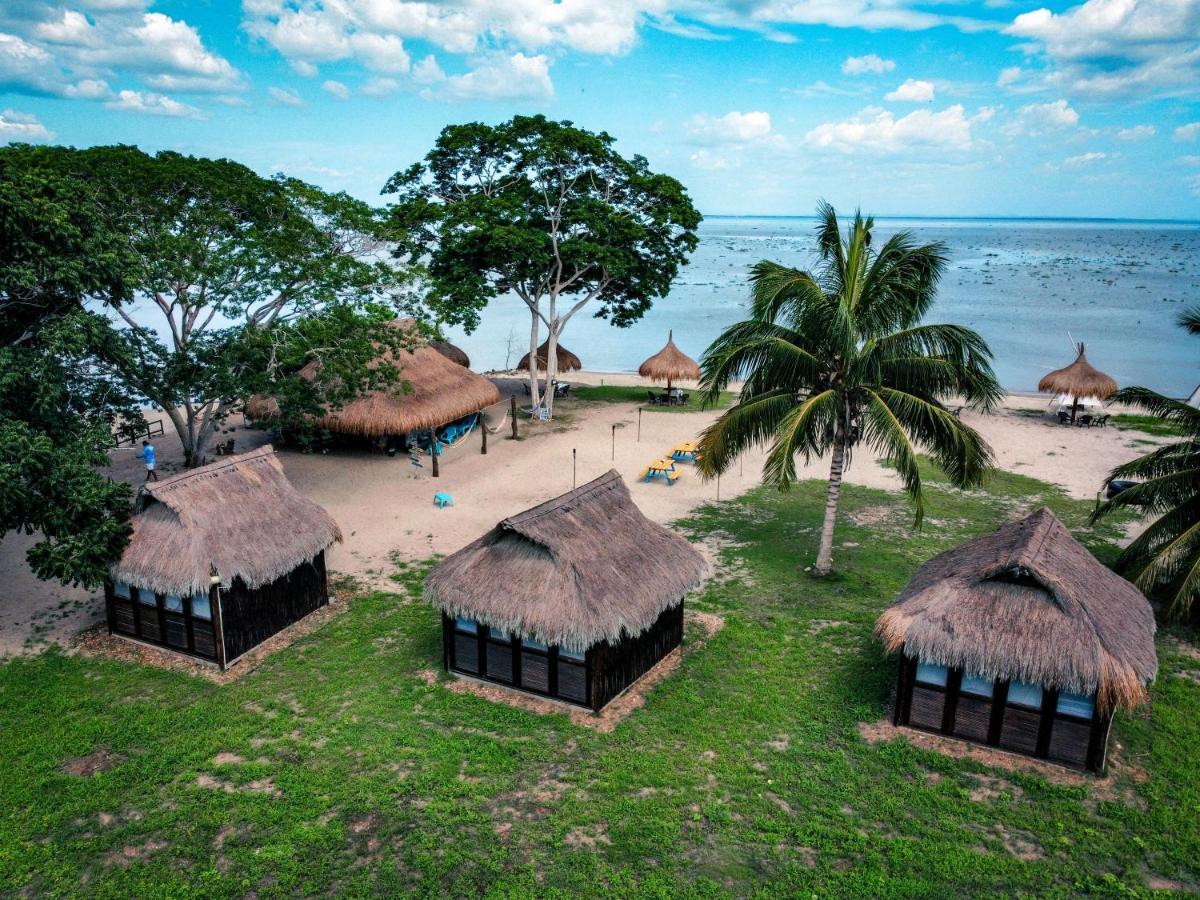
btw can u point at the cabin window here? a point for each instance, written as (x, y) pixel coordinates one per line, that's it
(467, 626)
(931, 674)
(201, 608)
(1081, 706)
(977, 687)
(531, 644)
(121, 590)
(1022, 693)
(172, 603)
(146, 598)
(564, 653)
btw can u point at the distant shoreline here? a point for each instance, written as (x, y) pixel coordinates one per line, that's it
(1070, 220)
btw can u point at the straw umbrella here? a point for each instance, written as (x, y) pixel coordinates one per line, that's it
(452, 353)
(1081, 380)
(670, 364)
(567, 361)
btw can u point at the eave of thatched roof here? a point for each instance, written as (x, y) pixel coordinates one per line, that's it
(1062, 620)
(432, 392)
(670, 364)
(567, 361)
(579, 569)
(452, 353)
(1079, 379)
(236, 518)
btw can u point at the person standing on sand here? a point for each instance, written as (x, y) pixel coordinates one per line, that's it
(148, 455)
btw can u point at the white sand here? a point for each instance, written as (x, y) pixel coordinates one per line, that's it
(385, 505)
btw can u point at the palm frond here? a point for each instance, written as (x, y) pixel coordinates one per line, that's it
(749, 423)
(882, 429)
(807, 430)
(1174, 411)
(959, 450)
(1189, 320)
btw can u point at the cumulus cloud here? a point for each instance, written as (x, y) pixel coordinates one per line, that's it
(17, 126)
(877, 131)
(1112, 47)
(1037, 119)
(1084, 159)
(1137, 133)
(499, 77)
(1187, 133)
(151, 104)
(427, 71)
(731, 128)
(336, 89)
(380, 87)
(284, 96)
(869, 64)
(912, 91)
(1009, 76)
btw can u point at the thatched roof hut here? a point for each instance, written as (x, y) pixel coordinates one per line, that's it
(438, 391)
(1080, 379)
(452, 353)
(567, 361)
(1029, 602)
(239, 517)
(573, 599)
(670, 364)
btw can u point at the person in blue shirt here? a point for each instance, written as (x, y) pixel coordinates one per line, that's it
(148, 455)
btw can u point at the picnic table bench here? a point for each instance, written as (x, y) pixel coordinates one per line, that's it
(688, 451)
(663, 469)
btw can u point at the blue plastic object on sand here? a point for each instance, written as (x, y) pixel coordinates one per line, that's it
(442, 499)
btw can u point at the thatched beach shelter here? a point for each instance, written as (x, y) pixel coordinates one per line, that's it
(1021, 639)
(221, 558)
(670, 364)
(439, 392)
(1079, 381)
(452, 353)
(574, 599)
(567, 361)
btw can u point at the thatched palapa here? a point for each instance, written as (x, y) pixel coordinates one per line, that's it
(452, 353)
(567, 361)
(1080, 379)
(433, 391)
(670, 364)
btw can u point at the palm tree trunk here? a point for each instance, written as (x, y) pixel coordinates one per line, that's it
(825, 552)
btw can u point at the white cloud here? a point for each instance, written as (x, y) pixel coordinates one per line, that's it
(427, 71)
(23, 127)
(380, 87)
(153, 105)
(912, 91)
(877, 131)
(1189, 160)
(336, 89)
(1186, 133)
(871, 63)
(1113, 47)
(731, 128)
(1009, 76)
(1084, 159)
(1137, 133)
(500, 77)
(1037, 119)
(285, 96)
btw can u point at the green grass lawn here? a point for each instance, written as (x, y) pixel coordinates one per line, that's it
(336, 768)
(611, 393)
(1151, 425)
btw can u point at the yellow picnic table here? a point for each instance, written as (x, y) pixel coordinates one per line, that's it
(688, 450)
(663, 468)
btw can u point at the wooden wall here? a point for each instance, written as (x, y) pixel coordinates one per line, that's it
(616, 667)
(249, 617)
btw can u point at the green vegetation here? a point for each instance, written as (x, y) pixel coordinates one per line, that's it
(744, 772)
(612, 393)
(1151, 425)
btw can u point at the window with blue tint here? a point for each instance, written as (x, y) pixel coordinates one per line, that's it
(979, 687)
(467, 625)
(201, 608)
(1080, 705)
(146, 598)
(564, 653)
(173, 603)
(121, 589)
(931, 674)
(531, 644)
(1024, 694)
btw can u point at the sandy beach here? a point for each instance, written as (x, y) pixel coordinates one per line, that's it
(385, 504)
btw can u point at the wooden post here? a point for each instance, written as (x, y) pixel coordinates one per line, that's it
(433, 453)
(639, 424)
(483, 432)
(218, 623)
(614, 442)
(718, 487)
(572, 468)
(513, 416)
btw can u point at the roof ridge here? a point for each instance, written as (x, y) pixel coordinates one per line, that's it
(556, 503)
(211, 468)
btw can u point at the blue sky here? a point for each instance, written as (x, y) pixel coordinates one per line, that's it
(759, 106)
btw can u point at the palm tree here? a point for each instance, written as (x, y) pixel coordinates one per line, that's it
(838, 358)
(1165, 558)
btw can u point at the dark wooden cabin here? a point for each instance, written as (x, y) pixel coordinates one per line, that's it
(222, 557)
(574, 599)
(1021, 640)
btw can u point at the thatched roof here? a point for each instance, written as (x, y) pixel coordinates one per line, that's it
(439, 391)
(452, 353)
(1080, 379)
(579, 569)
(567, 361)
(1028, 602)
(670, 364)
(236, 518)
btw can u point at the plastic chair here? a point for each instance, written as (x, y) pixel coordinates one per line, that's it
(442, 499)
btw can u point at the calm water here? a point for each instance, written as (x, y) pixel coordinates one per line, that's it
(1027, 286)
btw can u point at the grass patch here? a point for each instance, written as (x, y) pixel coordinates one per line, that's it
(343, 766)
(1151, 425)
(612, 393)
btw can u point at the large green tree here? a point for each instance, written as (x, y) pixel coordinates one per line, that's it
(839, 358)
(548, 212)
(1164, 560)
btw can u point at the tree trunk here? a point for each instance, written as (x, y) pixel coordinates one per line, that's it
(825, 552)
(552, 356)
(533, 369)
